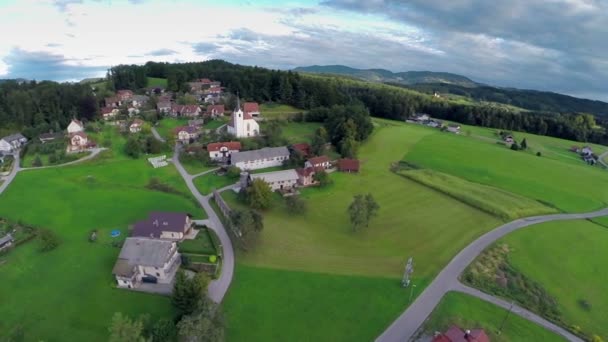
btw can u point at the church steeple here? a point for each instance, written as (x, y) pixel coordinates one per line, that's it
(238, 101)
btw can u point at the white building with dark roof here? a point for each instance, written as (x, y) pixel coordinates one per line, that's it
(260, 159)
(12, 142)
(278, 180)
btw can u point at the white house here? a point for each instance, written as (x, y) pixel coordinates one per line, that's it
(242, 125)
(12, 142)
(142, 258)
(453, 128)
(321, 161)
(75, 126)
(260, 159)
(186, 133)
(223, 150)
(136, 126)
(108, 112)
(78, 142)
(278, 180)
(163, 107)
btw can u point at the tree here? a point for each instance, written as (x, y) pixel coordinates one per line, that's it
(205, 324)
(273, 134)
(123, 329)
(49, 240)
(323, 178)
(295, 205)
(233, 172)
(371, 205)
(247, 221)
(362, 210)
(153, 146)
(163, 330)
(524, 144)
(538, 154)
(133, 147)
(259, 194)
(319, 140)
(187, 292)
(514, 146)
(348, 147)
(37, 161)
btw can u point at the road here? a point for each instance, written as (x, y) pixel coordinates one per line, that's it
(602, 158)
(406, 325)
(218, 287)
(11, 176)
(156, 135)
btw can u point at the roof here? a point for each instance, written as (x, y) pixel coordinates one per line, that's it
(166, 103)
(249, 107)
(76, 121)
(48, 136)
(185, 108)
(14, 137)
(348, 164)
(158, 222)
(188, 129)
(306, 172)
(80, 134)
(137, 122)
(318, 160)
(143, 251)
(141, 98)
(124, 92)
(6, 238)
(231, 145)
(215, 108)
(107, 110)
(264, 153)
(303, 148)
(276, 176)
(111, 99)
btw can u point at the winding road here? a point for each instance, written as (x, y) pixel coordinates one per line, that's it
(406, 325)
(218, 287)
(602, 159)
(156, 135)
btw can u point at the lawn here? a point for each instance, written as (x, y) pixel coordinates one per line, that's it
(470, 313)
(278, 111)
(276, 305)
(297, 132)
(104, 194)
(567, 186)
(157, 82)
(216, 123)
(166, 127)
(211, 181)
(203, 244)
(194, 166)
(569, 260)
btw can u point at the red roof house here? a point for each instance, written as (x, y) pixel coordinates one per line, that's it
(321, 161)
(251, 108)
(306, 175)
(124, 95)
(215, 110)
(303, 148)
(223, 149)
(348, 165)
(185, 110)
(455, 334)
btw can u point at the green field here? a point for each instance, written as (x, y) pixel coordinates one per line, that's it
(216, 123)
(202, 244)
(211, 181)
(157, 82)
(472, 313)
(278, 111)
(104, 194)
(166, 127)
(493, 201)
(550, 181)
(297, 132)
(568, 260)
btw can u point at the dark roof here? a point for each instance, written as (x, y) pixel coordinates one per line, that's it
(318, 160)
(49, 136)
(5, 239)
(348, 164)
(158, 222)
(14, 137)
(188, 129)
(303, 148)
(306, 172)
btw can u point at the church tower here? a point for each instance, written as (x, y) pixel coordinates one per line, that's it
(239, 120)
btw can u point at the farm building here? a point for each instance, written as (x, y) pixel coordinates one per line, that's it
(348, 165)
(12, 142)
(321, 161)
(260, 159)
(223, 150)
(278, 180)
(306, 175)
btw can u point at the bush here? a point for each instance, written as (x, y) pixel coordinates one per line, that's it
(233, 172)
(295, 205)
(538, 154)
(37, 161)
(584, 304)
(212, 258)
(156, 184)
(48, 240)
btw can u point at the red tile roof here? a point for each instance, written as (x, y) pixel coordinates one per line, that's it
(306, 172)
(231, 146)
(215, 109)
(107, 110)
(249, 107)
(303, 148)
(348, 165)
(318, 160)
(184, 108)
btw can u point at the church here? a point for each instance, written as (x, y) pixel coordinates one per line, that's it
(242, 125)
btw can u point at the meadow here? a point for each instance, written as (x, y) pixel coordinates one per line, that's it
(278, 111)
(470, 313)
(106, 193)
(157, 82)
(568, 259)
(166, 126)
(211, 181)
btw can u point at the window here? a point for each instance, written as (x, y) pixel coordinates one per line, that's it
(157, 274)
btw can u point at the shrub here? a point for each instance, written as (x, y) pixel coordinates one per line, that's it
(584, 304)
(538, 154)
(295, 205)
(233, 172)
(37, 161)
(48, 240)
(212, 258)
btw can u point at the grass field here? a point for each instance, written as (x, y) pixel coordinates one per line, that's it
(296, 132)
(494, 201)
(106, 193)
(278, 111)
(216, 123)
(550, 181)
(211, 181)
(157, 82)
(203, 244)
(568, 260)
(166, 127)
(471, 313)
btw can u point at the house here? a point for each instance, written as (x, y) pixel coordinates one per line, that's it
(186, 133)
(132, 110)
(212, 98)
(251, 108)
(198, 123)
(242, 125)
(260, 159)
(223, 150)
(215, 111)
(6, 242)
(185, 110)
(278, 180)
(78, 141)
(195, 86)
(586, 151)
(75, 126)
(164, 225)
(109, 112)
(124, 95)
(163, 107)
(455, 334)
(12, 142)
(433, 123)
(453, 128)
(306, 175)
(322, 161)
(47, 137)
(142, 259)
(302, 148)
(421, 117)
(508, 139)
(113, 101)
(348, 165)
(139, 101)
(136, 126)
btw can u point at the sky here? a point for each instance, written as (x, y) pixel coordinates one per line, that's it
(554, 45)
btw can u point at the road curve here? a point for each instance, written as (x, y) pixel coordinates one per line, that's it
(156, 135)
(11, 175)
(601, 159)
(406, 325)
(218, 287)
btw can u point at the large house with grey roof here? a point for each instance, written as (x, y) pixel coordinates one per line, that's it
(143, 259)
(278, 180)
(260, 159)
(12, 142)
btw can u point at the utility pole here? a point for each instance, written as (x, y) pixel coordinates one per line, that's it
(505, 319)
(409, 269)
(411, 292)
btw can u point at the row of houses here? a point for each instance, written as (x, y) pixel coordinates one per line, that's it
(123, 98)
(427, 120)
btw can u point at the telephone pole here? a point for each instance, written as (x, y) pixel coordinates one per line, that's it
(409, 269)
(502, 324)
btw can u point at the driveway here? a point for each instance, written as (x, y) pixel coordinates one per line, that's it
(406, 325)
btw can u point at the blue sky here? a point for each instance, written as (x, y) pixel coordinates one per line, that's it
(556, 45)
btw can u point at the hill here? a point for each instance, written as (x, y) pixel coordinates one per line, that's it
(535, 100)
(382, 75)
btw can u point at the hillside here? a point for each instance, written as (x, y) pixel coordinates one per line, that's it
(382, 75)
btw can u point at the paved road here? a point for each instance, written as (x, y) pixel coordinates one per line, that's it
(204, 172)
(219, 287)
(156, 135)
(518, 311)
(11, 175)
(602, 157)
(407, 324)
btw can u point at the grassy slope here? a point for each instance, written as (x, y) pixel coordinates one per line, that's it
(470, 312)
(568, 259)
(155, 82)
(567, 186)
(166, 126)
(103, 194)
(207, 183)
(275, 110)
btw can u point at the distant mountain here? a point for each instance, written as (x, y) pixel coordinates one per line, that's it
(386, 76)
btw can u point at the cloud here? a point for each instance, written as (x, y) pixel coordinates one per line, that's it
(161, 52)
(45, 66)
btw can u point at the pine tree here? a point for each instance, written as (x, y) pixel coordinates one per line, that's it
(524, 144)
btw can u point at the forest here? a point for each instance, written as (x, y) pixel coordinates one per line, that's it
(36, 107)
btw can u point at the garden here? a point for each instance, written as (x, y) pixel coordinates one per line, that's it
(51, 153)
